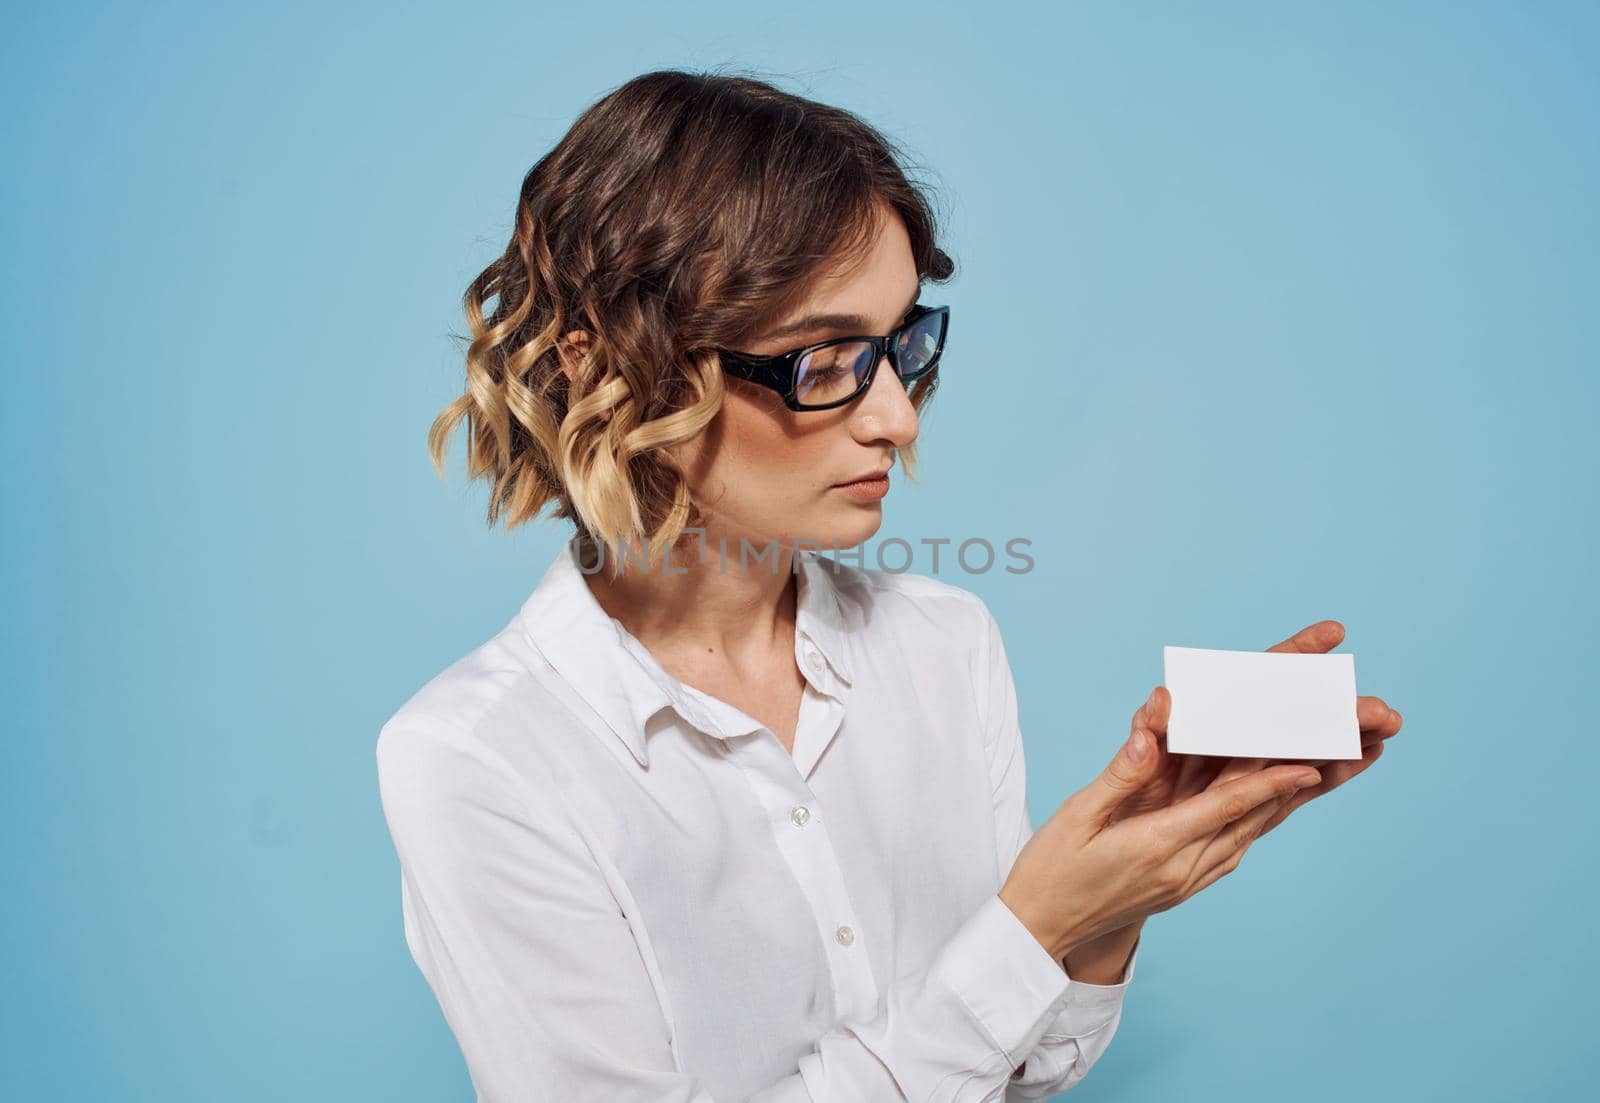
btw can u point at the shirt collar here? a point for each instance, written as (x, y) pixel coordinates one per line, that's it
(624, 683)
(820, 611)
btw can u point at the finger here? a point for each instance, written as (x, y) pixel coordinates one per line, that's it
(1133, 766)
(1206, 813)
(1155, 712)
(1378, 722)
(1215, 874)
(1228, 862)
(1374, 715)
(1342, 770)
(1313, 639)
(1196, 772)
(1333, 776)
(1219, 769)
(1234, 839)
(1233, 768)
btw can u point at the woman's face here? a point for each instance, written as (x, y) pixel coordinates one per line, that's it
(763, 472)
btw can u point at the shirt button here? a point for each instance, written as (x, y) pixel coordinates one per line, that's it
(814, 660)
(800, 815)
(845, 936)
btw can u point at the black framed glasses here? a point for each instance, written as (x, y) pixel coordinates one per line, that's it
(832, 373)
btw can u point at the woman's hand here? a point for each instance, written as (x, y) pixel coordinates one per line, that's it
(1174, 777)
(1146, 783)
(1089, 871)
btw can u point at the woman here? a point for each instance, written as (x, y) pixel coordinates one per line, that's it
(712, 819)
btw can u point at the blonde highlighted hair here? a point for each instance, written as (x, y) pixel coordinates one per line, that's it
(681, 213)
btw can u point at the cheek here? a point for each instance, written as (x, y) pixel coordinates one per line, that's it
(750, 423)
(760, 444)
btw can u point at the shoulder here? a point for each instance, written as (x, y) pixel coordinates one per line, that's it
(918, 604)
(466, 733)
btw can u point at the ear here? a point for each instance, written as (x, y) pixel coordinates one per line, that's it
(570, 350)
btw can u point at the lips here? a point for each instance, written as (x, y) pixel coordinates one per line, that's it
(869, 477)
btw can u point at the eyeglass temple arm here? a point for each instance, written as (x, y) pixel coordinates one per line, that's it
(769, 371)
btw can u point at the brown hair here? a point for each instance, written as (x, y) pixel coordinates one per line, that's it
(680, 213)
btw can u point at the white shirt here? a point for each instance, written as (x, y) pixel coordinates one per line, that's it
(621, 888)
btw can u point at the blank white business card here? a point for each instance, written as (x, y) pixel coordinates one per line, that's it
(1262, 704)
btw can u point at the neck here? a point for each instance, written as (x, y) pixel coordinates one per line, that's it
(689, 607)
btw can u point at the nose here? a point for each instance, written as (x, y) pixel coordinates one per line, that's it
(885, 412)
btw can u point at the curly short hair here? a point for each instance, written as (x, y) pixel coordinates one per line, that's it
(680, 213)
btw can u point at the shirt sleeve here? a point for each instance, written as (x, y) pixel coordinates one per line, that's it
(1086, 1020)
(536, 970)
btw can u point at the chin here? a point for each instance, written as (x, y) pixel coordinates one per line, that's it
(855, 526)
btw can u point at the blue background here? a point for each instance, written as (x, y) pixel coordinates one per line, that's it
(1268, 313)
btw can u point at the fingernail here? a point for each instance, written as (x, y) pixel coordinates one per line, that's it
(1150, 704)
(1136, 747)
(1309, 779)
(1395, 713)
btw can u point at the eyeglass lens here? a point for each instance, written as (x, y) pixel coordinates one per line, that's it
(835, 372)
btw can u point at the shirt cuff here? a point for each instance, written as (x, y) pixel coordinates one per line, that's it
(1091, 1007)
(1007, 981)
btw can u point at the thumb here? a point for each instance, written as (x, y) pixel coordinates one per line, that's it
(1134, 766)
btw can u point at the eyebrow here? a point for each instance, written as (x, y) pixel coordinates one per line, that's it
(813, 322)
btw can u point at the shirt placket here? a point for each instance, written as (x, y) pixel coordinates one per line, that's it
(800, 827)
